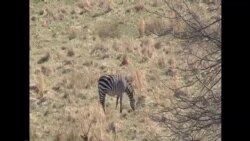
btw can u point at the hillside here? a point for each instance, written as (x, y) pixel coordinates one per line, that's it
(74, 42)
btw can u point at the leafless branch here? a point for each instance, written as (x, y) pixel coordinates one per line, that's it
(195, 115)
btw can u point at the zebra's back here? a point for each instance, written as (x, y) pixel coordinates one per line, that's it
(112, 84)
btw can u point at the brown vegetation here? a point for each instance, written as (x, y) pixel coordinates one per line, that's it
(174, 67)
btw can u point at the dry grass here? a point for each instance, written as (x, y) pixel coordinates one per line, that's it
(156, 3)
(141, 27)
(40, 83)
(156, 26)
(108, 30)
(147, 46)
(72, 35)
(71, 48)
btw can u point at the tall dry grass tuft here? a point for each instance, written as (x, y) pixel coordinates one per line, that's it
(172, 20)
(114, 127)
(139, 80)
(40, 82)
(64, 133)
(93, 123)
(141, 27)
(117, 46)
(175, 80)
(148, 48)
(82, 80)
(170, 62)
(156, 96)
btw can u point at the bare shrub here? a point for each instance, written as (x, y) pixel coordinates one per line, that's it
(196, 114)
(139, 79)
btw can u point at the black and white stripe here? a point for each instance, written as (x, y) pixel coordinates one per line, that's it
(115, 85)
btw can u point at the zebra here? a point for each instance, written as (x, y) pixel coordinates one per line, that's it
(115, 85)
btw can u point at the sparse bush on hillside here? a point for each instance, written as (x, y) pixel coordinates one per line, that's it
(196, 115)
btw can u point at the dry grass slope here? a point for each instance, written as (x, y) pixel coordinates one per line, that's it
(73, 42)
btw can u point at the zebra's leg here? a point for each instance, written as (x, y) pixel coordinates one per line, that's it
(120, 103)
(102, 101)
(117, 99)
